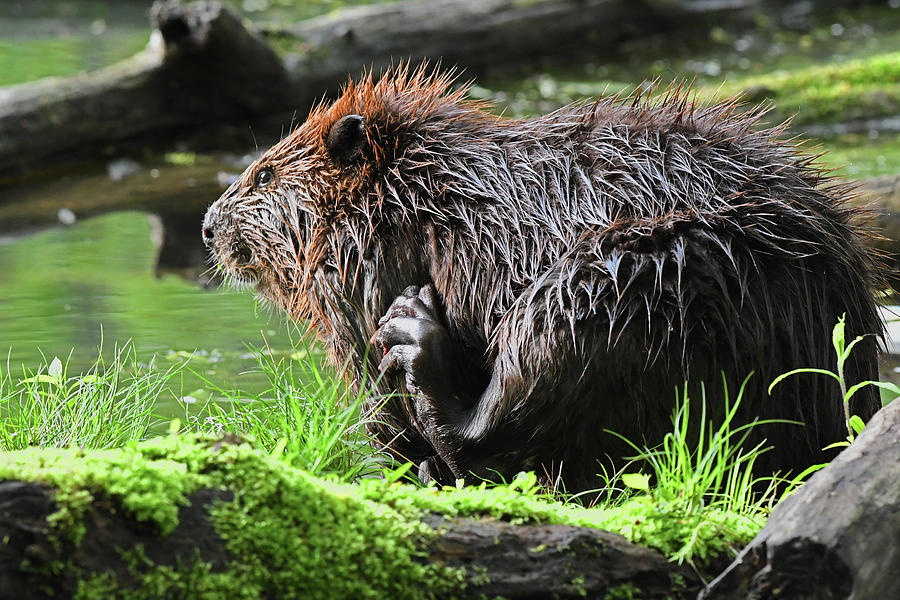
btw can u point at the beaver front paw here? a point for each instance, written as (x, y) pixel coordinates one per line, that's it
(416, 343)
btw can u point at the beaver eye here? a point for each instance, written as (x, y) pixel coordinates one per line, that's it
(264, 178)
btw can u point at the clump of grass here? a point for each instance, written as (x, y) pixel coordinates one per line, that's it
(704, 498)
(842, 351)
(308, 416)
(110, 404)
(715, 467)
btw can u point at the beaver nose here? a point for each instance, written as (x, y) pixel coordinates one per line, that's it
(209, 229)
(208, 236)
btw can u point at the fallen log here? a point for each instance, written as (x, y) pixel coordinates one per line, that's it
(836, 537)
(201, 66)
(471, 34)
(184, 517)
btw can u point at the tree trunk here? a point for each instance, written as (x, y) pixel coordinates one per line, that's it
(837, 536)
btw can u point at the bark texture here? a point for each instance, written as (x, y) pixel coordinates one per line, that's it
(836, 537)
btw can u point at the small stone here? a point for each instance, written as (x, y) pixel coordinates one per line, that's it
(121, 168)
(66, 216)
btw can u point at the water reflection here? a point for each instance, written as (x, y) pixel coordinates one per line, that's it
(63, 288)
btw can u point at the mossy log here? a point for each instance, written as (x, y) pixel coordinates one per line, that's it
(837, 536)
(183, 517)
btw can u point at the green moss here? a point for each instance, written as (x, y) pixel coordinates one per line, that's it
(577, 584)
(102, 585)
(298, 536)
(285, 528)
(197, 581)
(856, 89)
(626, 591)
(480, 576)
(149, 485)
(666, 526)
(290, 529)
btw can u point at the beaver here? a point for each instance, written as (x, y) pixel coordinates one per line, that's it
(525, 287)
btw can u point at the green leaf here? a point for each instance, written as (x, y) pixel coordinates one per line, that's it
(855, 388)
(837, 336)
(278, 450)
(524, 481)
(55, 368)
(795, 371)
(886, 385)
(857, 424)
(41, 378)
(801, 478)
(637, 481)
(809, 471)
(841, 444)
(392, 475)
(846, 353)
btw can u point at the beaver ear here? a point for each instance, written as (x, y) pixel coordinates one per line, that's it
(346, 139)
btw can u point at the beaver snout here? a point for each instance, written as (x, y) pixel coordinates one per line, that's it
(224, 239)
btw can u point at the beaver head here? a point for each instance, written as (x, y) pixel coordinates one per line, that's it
(300, 223)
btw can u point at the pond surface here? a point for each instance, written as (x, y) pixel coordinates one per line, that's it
(109, 276)
(67, 288)
(40, 38)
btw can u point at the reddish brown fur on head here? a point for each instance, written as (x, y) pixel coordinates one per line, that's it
(313, 207)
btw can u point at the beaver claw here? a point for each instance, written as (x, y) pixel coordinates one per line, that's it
(415, 342)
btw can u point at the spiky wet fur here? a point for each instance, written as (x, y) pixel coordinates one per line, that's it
(589, 261)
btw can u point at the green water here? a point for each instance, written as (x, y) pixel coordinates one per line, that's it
(40, 38)
(64, 289)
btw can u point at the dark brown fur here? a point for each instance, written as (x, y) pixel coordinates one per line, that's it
(582, 266)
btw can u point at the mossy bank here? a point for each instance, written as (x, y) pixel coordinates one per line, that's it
(212, 519)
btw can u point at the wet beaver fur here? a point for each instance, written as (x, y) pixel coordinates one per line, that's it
(529, 284)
